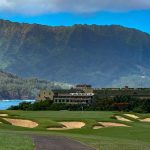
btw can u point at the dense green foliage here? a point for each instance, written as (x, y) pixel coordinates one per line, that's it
(99, 55)
(47, 105)
(123, 103)
(14, 87)
(118, 103)
(135, 92)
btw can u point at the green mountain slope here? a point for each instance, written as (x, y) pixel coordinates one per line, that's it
(14, 87)
(98, 55)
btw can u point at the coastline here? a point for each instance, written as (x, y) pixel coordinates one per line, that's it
(5, 104)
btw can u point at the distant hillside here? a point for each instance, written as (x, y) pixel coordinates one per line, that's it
(98, 55)
(14, 87)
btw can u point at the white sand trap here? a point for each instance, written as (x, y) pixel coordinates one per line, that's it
(112, 124)
(3, 115)
(145, 120)
(22, 123)
(109, 124)
(98, 127)
(132, 116)
(69, 125)
(122, 119)
(73, 125)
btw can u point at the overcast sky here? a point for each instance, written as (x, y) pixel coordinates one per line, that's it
(131, 13)
(36, 7)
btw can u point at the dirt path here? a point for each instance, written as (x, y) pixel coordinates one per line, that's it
(58, 143)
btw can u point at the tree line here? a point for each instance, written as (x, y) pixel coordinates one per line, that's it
(118, 103)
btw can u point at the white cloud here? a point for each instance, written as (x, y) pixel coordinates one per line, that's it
(4, 5)
(35, 7)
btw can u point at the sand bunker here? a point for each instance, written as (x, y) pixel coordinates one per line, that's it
(98, 127)
(112, 124)
(132, 116)
(122, 119)
(3, 115)
(69, 125)
(145, 120)
(22, 123)
(109, 124)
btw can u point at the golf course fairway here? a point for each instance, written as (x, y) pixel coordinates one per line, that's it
(120, 135)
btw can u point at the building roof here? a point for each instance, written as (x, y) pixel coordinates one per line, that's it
(62, 91)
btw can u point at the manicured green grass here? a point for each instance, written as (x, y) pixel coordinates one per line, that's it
(15, 142)
(135, 137)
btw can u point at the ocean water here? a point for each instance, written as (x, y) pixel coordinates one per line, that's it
(4, 104)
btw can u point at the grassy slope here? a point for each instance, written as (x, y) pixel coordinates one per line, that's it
(136, 137)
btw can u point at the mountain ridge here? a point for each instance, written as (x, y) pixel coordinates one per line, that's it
(98, 55)
(69, 26)
(15, 87)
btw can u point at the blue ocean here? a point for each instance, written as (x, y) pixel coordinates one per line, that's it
(5, 104)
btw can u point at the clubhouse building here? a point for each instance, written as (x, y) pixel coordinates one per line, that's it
(81, 94)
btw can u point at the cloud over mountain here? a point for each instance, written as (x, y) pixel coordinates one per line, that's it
(35, 7)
